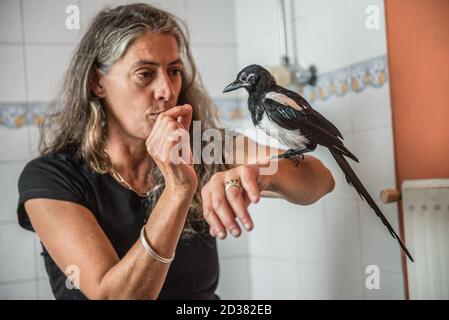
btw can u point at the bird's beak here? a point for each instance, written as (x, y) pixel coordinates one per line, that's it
(232, 86)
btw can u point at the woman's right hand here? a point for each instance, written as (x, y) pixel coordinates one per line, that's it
(169, 136)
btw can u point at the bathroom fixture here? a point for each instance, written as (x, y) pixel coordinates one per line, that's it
(288, 73)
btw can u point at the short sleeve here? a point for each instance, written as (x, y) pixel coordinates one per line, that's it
(50, 177)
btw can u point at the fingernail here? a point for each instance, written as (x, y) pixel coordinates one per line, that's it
(221, 235)
(235, 232)
(247, 226)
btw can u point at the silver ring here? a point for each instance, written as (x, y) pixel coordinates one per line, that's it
(233, 183)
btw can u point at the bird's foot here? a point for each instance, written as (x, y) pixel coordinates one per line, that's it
(290, 154)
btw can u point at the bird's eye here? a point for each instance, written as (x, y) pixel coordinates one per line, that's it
(251, 78)
(243, 78)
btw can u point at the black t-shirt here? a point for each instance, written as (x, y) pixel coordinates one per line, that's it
(121, 213)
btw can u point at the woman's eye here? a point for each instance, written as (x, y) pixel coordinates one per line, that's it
(175, 72)
(144, 75)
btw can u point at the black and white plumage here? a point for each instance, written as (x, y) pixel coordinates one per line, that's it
(288, 117)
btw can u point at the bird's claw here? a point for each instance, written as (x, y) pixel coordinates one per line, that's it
(290, 154)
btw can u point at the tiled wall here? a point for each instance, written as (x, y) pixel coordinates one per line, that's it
(34, 49)
(322, 250)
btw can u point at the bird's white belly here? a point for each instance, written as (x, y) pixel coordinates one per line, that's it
(290, 138)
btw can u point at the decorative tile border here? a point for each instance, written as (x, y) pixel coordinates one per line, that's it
(17, 115)
(355, 78)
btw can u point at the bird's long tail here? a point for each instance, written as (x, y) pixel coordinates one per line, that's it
(352, 179)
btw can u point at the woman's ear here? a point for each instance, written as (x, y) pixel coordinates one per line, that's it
(95, 86)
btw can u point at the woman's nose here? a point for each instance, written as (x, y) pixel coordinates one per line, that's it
(164, 88)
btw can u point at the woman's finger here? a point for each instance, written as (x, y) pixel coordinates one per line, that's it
(182, 114)
(186, 119)
(235, 198)
(209, 214)
(249, 183)
(223, 210)
(246, 199)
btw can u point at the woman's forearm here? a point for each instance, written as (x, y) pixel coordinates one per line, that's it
(304, 184)
(138, 275)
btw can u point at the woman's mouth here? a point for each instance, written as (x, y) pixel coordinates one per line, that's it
(154, 114)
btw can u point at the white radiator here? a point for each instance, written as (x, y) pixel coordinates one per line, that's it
(426, 222)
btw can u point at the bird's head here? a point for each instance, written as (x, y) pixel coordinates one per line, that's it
(252, 77)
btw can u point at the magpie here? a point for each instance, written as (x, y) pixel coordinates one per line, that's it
(288, 117)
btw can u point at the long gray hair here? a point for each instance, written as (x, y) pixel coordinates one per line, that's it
(79, 122)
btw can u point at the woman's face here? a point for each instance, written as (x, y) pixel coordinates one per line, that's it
(145, 80)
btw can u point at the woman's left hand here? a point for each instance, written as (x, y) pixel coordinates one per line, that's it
(221, 207)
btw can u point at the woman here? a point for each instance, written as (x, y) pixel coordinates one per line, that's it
(105, 197)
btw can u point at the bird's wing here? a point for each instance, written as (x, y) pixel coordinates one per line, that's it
(352, 179)
(290, 118)
(314, 115)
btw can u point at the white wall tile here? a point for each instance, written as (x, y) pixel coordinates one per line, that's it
(365, 43)
(45, 21)
(233, 247)
(337, 111)
(315, 282)
(217, 67)
(90, 8)
(328, 44)
(391, 287)
(234, 282)
(283, 230)
(311, 231)
(303, 41)
(379, 247)
(9, 175)
(343, 232)
(263, 50)
(276, 224)
(301, 8)
(14, 143)
(34, 134)
(346, 283)
(370, 109)
(10, 21)
(46, 66)
(307, 7)
(12, 82)
(40, 265)
(18, 291)
(339, 27)
(176, 7)
(275, 279)
(17, 252)
(211, 21)
(44, 291)
(255, 19)
(374, 149)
